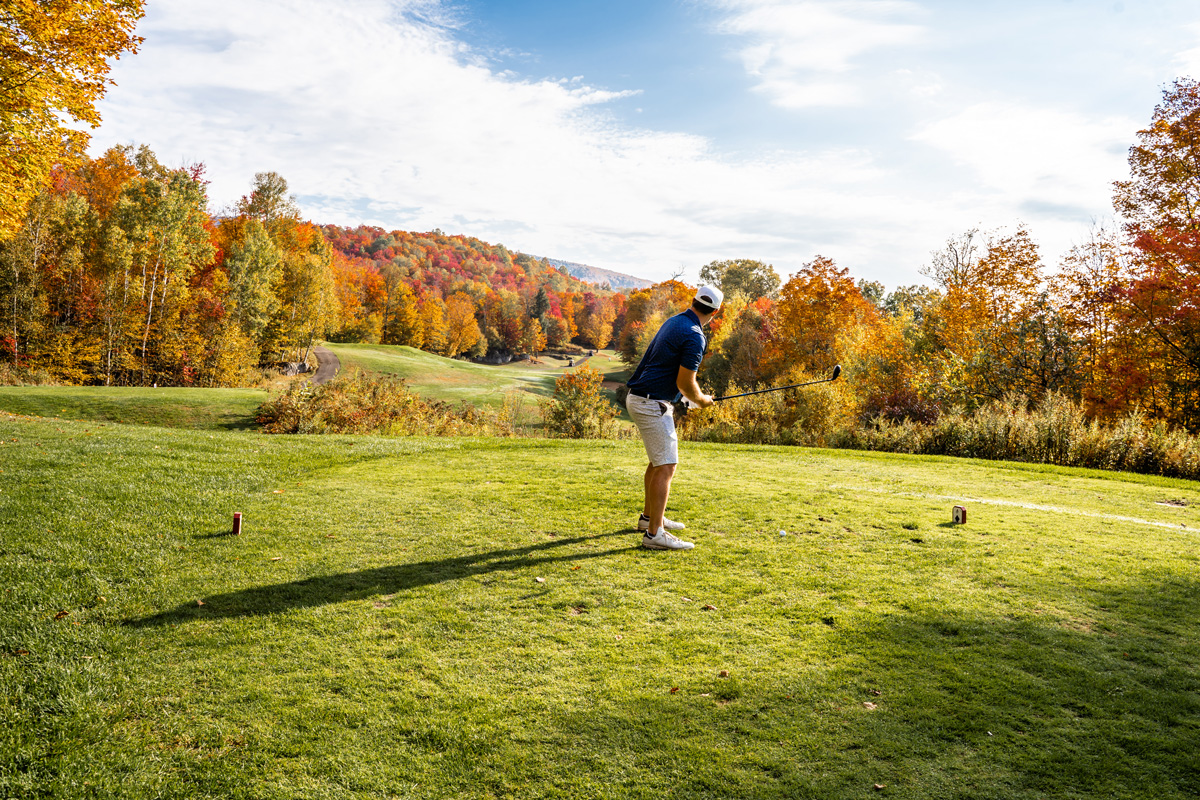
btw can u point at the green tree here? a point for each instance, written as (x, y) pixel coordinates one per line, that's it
(269, 200)
(754, 279)
(162, 216)
(253, 265)
(541, 304)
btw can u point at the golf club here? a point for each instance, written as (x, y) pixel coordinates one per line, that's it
(837, 370)
(681, 406)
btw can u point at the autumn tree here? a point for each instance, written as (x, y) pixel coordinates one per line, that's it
(595, 322)
(735, 348)
(645, 312)
(54, 61)
(754, 279)
(462, 329)
(404, 325)
(504, 321)
(991, 285)
(1160, 208)
(1092, 280)
(819, 302)
(433, 322)
(22, 284)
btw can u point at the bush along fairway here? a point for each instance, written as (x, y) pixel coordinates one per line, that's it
(458, 617)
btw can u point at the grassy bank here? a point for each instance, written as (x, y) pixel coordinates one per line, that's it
(473, 618)
(201, 409)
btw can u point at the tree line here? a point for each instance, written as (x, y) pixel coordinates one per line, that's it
(113, 270)
(119, 275)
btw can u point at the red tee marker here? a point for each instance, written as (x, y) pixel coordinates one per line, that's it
(237, 523)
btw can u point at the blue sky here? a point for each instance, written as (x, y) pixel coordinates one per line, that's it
(654, 137)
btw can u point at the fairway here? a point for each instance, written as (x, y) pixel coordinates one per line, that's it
(473, 618)
(454, 380)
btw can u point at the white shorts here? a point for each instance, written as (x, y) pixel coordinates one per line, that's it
(655, 420)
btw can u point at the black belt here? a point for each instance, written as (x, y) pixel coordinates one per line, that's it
(648, 397)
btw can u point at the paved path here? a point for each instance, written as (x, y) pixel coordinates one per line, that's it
(327, 365)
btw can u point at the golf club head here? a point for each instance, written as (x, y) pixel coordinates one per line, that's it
(837, 370)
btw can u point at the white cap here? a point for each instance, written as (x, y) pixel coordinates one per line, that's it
(710, 296)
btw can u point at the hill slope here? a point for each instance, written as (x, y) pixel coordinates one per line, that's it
(597, 275)
(452, 380)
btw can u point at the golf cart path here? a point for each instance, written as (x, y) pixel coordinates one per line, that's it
(328, 365)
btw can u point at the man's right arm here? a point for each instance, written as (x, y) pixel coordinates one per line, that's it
(689, 388)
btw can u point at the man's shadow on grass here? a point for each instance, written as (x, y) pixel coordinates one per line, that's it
(323, 589)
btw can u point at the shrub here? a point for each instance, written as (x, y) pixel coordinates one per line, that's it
(12, 375)
(579, 408)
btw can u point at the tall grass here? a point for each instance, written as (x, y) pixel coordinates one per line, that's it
(1055, 431)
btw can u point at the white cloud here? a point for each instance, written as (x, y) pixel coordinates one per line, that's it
(793, 48)
(1035, 155)
(376, 117)
(1188, 61)
(376, 113)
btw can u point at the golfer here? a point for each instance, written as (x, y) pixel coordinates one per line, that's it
(666, 372)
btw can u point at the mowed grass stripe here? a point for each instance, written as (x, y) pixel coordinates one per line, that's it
(402, 644)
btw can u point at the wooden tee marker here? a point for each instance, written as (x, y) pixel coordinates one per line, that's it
(959, 515)
(237, 523)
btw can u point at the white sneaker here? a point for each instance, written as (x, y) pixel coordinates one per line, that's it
(669, 524)
(665, 541)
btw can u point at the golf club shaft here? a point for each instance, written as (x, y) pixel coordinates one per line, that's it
(772, 389)
(836, 371)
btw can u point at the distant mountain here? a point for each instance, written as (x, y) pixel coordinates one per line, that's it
(598, 276)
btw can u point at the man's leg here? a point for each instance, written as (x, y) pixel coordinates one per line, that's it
(658, 489)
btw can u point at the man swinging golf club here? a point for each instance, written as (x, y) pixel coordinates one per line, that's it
(666, 371)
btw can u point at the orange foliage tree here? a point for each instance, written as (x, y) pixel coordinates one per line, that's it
(54, 61)
(815, 306)
(1160, 206)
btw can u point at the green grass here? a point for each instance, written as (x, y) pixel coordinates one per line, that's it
(380, 630)
(453, 380)
(203, 409)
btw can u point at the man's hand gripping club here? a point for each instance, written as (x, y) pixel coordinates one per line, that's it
(690, 389)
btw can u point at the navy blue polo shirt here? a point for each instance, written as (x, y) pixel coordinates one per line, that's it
(680, 342)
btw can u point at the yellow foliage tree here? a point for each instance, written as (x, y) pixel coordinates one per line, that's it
(54, 59)
(992, 289)
(462, 329)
